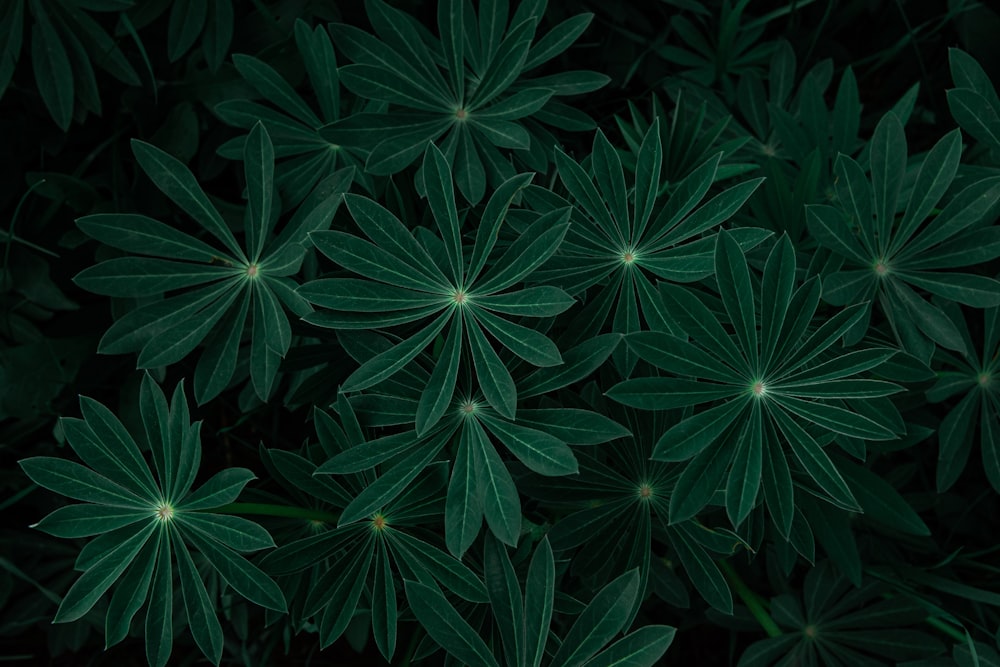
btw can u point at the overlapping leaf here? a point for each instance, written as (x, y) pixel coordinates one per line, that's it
(523, 619)
(618, 508)
(977, 378)
(330, 570)
(836, 623)
(444, 288)
(237, 289)
(481, 486)
(144, 526)
(628, 244)
(772, 383)
(303, 156)
(477, 108)
(894, 263)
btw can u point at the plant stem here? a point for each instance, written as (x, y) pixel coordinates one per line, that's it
(278, 510)
(753, 601)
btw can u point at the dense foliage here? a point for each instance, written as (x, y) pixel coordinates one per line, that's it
(494, 333)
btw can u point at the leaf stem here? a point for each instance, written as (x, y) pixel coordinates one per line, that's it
(754, 602)
(288, 511)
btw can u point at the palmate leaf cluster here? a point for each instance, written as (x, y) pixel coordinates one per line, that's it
(497, 358)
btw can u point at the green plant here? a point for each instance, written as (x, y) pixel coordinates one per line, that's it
(518, 333)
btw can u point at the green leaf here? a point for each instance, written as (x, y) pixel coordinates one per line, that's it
(145, 276)
(92, 584)
(501, 505)
(376, 83)
(697, 321)
(965, 288)
(443, 568)
(245, 578)
(506, 65)
(53, 72)
(365, 296)
(880, 501)
(601, 620)
(446, 626)
(974, 113)
(733, 277)
(835, 419)
(744, 478)
(694, 434)
(936, 174)
(217, 363)
(463, 513)
(888, 163)
(80, 483)
(813, 459)
(829, 226)
(776, 479)
(187, 19)
(103, 444)
(662, 393)
(384, 608)
(930, 319)
(235, 532)
(578, 363)
(390, 362)
(437, 395)
(494, 379)
(701, 478)
(274, 88)
(198, 606)
(539, 242)
(610, 177)
(489, 224)
(573, 426)
(391, 483)
(530, 345)
(178, 183)
(543, 453)
(966, 208)
(506, 601)
(776, 293)
(539, 592)
(160, 613)
(258, 166)
(450, 26)
(678, 356)
(89, 520)
(144, 236)
(541, 301)
(130, 594)
(341, 588)
(642, 648)
(557, 40)
(441, 199)
(701, 569)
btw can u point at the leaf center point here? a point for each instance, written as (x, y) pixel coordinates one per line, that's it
(164, 512)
